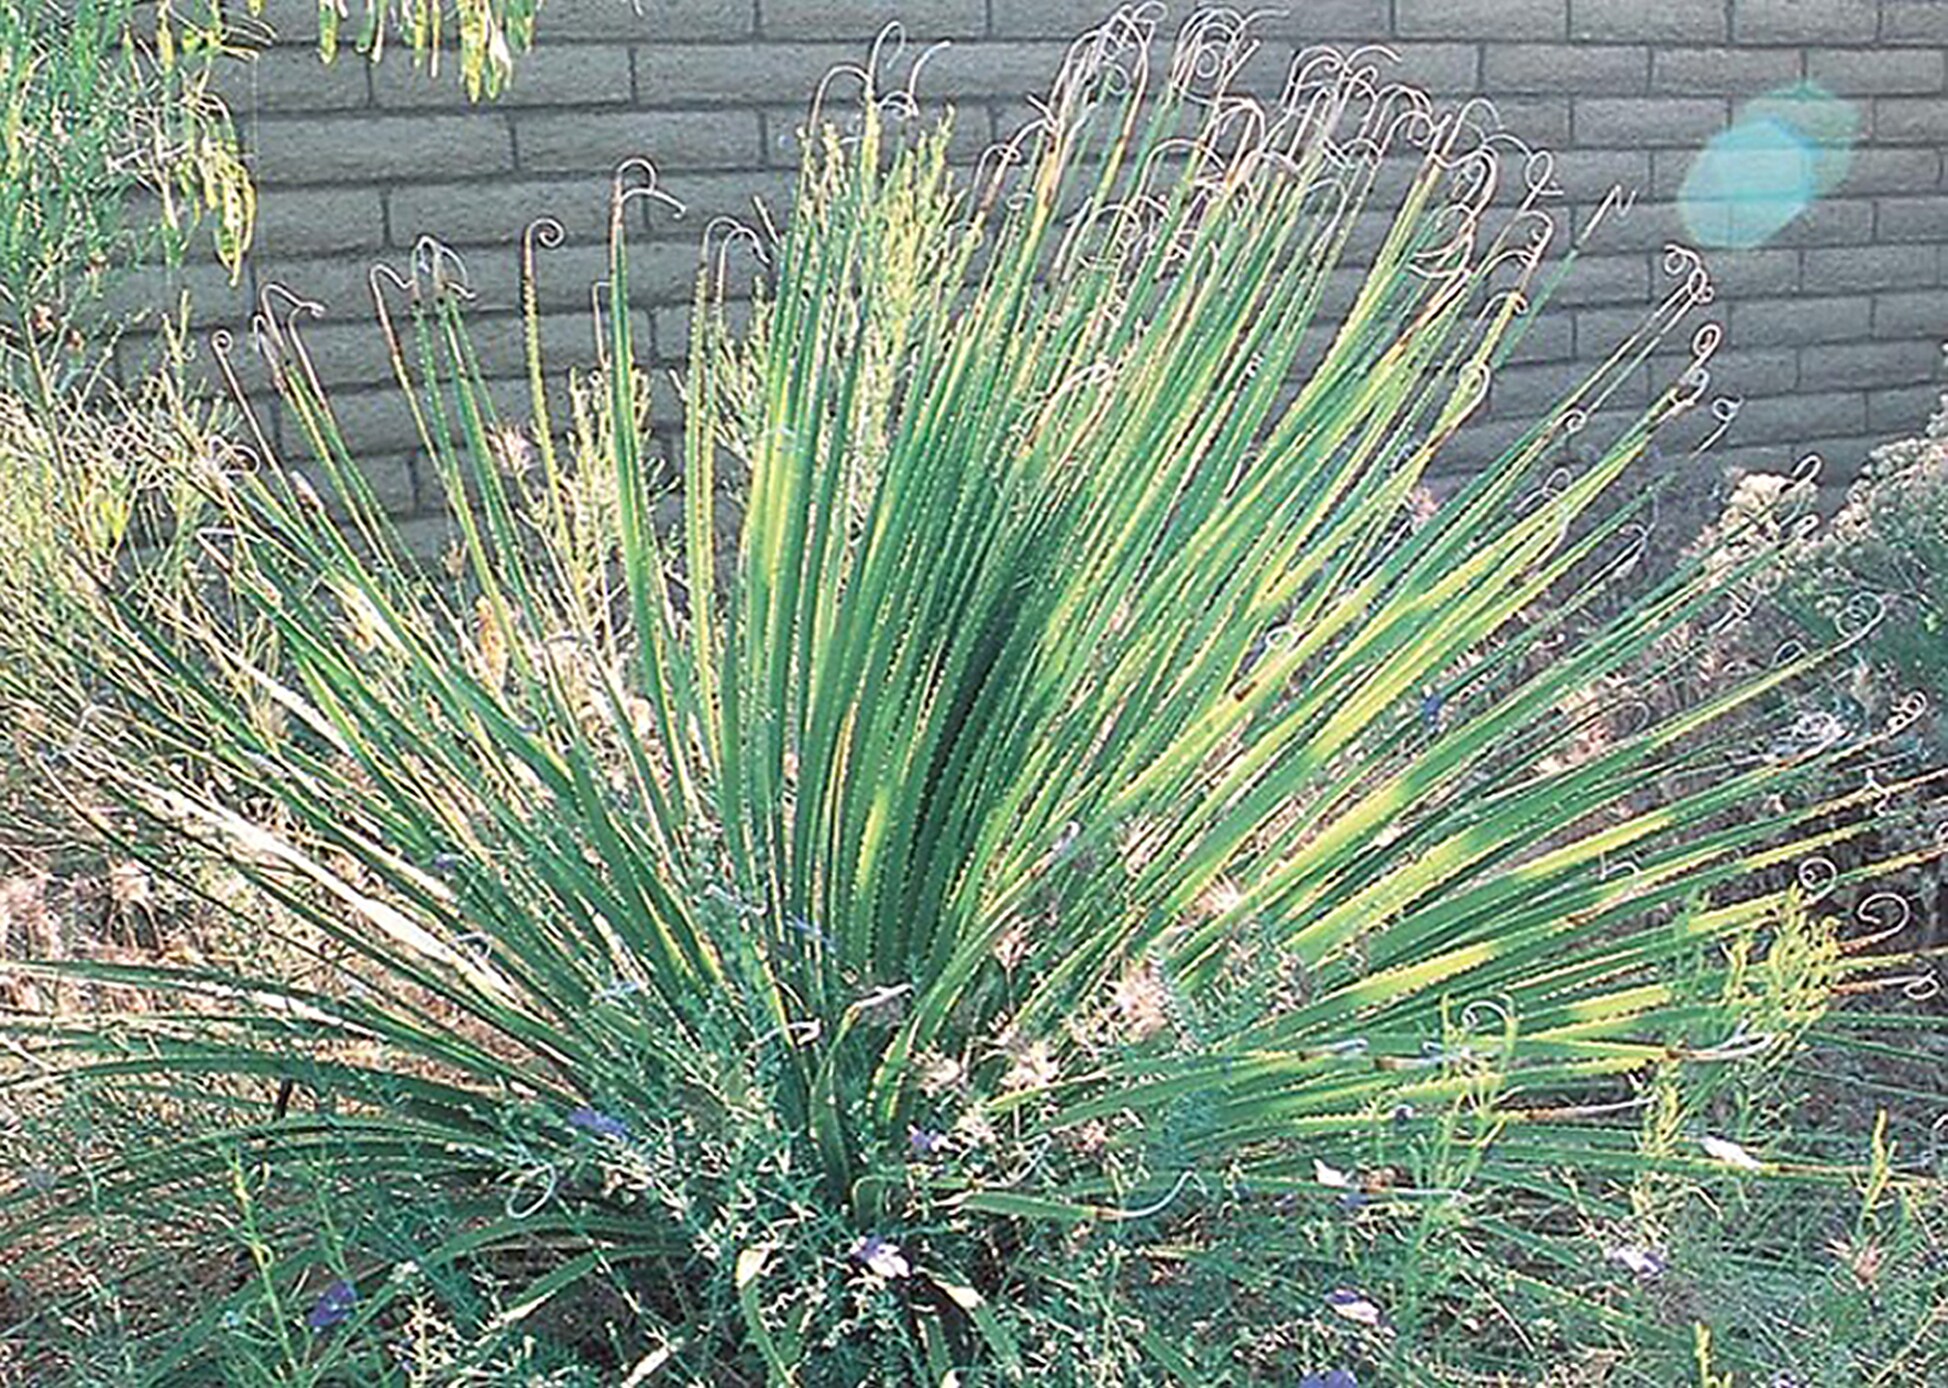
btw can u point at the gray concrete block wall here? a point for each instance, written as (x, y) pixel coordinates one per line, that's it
(1834, 326)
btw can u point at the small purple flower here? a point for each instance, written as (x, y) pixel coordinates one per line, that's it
(597, 1123)
(925, 1142)
(1432, 705)
(333, 1307)
(1331, 1378)
(1646, 1263)
(881, 1257)
(1354, 1307)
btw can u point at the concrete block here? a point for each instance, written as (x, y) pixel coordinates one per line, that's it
(1920, 313)
(1443, 69)
(553, 74)
(923, 20)
(281, 80)
(1569, 69)
(366, 149)
(1800, 415)
(1869, 364)
(1800, 319)
(1863, 71)
(1722, 71)
(1840, 269)
(1481, 19)
(1911, 120)
(1913, 219)
(1804, 21)
(646, 21)
(1838, 221)
(547, 142)
(311, 221)
(1648, 21)
(1893, 170)
(1771, 270)
(1913, 21)
(481, 213)
(1903, 410)
(1536, 120)
(1651, 121)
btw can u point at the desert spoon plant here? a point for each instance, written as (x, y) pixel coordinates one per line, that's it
(1054, 775)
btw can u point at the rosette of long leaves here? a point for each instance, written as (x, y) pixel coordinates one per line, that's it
(1037, 757)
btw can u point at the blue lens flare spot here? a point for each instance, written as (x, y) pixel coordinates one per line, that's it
(1749, 184)
(1784, 152)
